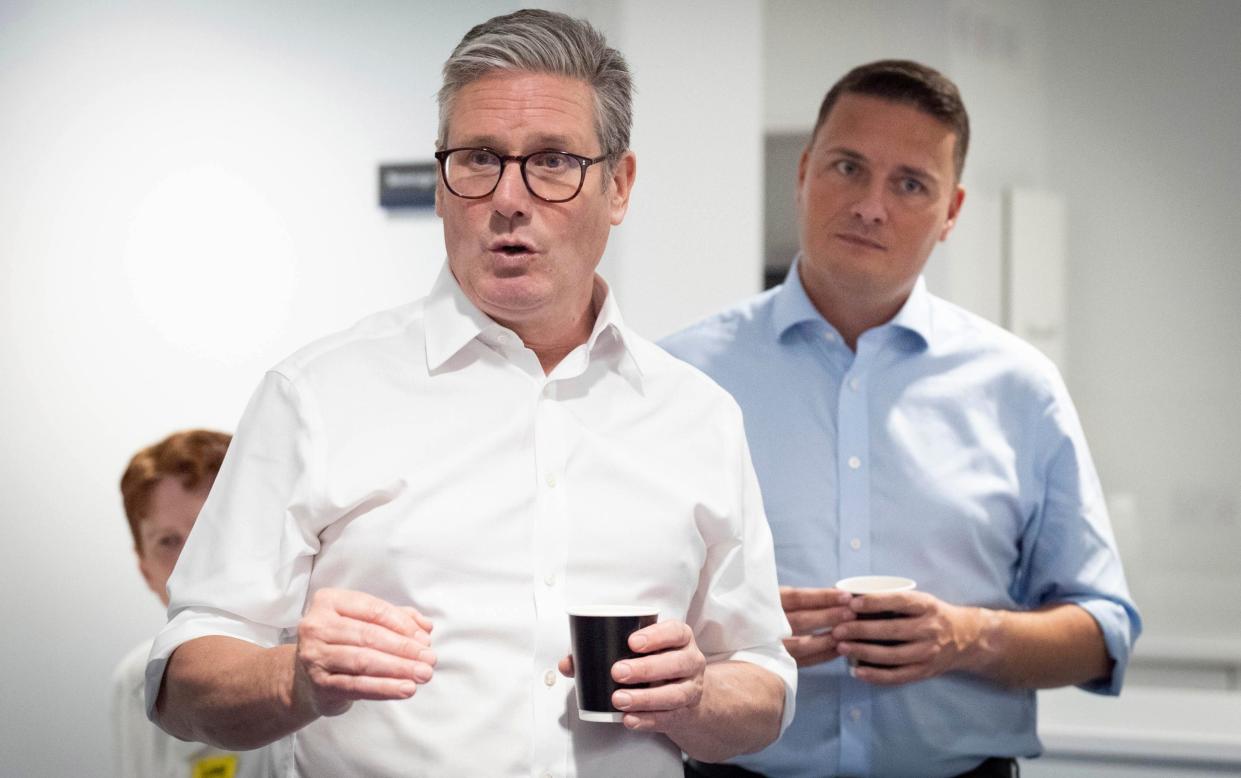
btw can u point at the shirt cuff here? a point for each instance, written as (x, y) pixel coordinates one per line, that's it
(775, 660)
(1120, 628)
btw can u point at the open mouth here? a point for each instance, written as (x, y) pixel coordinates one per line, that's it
(511, 248)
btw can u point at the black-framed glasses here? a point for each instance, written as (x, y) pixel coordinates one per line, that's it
(551, 176)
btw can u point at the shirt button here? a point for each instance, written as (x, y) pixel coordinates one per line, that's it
(854, 463)
(551, 480)
(855, 544)
(549, 678)
(854, 384)
(829, 336)
(549, 579)
(502, 337)
(855, 714)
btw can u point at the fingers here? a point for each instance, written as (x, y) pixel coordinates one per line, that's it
(811, 622)
(356, 687)
(672, 664)
(354, 646)
(811, 650)
(330, 659)
(902, 629)
(904, 654)
(565, 666)
(892, 676)
(365, 607)
(662, 636)
(670, 696)
(908, 603)
(350, 632)
(654, 721)
(795, 599)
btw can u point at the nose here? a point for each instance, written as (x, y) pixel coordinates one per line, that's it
(511, 198)
(869, 206)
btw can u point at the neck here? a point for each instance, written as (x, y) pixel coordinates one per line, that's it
(552, 338)
(851, 311)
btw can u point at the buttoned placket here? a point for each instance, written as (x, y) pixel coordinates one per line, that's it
(853, 540)
(552, 428)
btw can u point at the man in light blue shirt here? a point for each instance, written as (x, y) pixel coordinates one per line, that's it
(895, 433)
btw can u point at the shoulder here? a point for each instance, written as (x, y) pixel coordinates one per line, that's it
(993, 355)
(745, 326)
(395, 330)
(670, 380)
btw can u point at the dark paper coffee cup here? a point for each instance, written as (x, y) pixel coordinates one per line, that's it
(876, 584)
(600, 636)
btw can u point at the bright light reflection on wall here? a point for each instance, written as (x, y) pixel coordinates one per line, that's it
(210, 264)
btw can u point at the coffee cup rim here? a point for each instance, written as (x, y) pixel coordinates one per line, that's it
(876, 584)
(604, 610)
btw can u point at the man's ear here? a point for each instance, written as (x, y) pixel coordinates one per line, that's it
(803, 167)
(954, 208)
(624, 172)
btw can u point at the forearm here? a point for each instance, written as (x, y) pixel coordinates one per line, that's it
(231, 694)
(1058, 645)
(740, 712)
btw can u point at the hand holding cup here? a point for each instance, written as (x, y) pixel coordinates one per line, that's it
(656, 678)
(901, 635)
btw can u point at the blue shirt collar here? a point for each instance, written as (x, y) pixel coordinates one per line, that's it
(793, 307)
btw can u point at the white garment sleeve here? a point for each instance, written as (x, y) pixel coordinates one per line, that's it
(736, 612)
(245, 568)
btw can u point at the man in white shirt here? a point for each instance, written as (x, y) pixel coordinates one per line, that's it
(163, 489)
(470, 466)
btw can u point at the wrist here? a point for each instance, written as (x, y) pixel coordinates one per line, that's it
(979, 640)
(293, 692)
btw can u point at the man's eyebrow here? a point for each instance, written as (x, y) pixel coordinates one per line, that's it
(905, 170)
(917, 172)
(845, 151)
(537, 143)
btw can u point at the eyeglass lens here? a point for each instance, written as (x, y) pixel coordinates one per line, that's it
(550, 175)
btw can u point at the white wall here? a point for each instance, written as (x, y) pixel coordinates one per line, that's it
(188, 192)
(693, 239)
(1144, 135)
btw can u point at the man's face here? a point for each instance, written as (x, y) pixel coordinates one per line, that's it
(164, 529)
(876, 189)
(519, 259)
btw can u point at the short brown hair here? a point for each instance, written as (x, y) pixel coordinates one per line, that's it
(904, 81)
(193, 457)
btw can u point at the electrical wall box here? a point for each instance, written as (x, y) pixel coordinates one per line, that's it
(407, 185)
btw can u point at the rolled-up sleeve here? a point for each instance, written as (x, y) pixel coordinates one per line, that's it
(1073, 555)
(245, 568)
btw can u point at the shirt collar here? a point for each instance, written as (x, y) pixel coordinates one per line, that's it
(453, 321)
(915, 315)
(610, 333)
(793, 306)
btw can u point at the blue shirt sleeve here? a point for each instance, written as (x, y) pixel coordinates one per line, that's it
(1069, 553)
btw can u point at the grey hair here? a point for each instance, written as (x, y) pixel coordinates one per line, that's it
(538, 41)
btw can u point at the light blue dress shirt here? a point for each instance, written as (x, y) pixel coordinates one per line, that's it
(946, 450)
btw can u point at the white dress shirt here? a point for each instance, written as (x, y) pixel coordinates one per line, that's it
(422, 456)
(142, 750)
